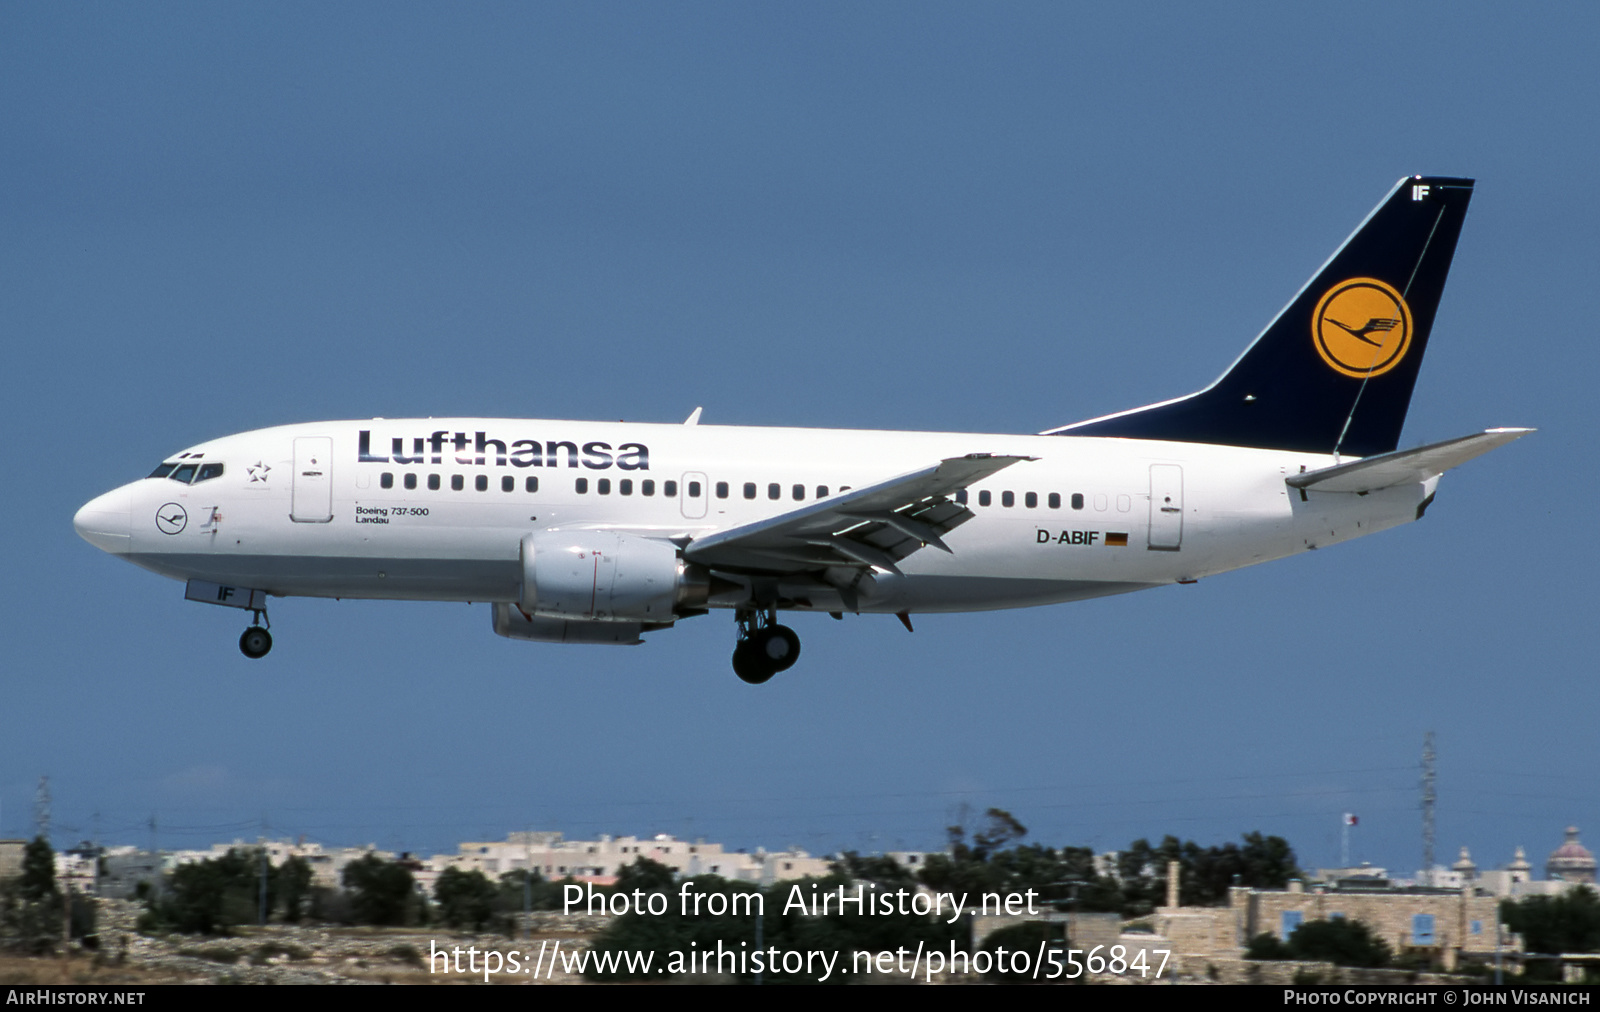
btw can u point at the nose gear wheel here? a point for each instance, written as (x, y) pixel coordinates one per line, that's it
(256, 641)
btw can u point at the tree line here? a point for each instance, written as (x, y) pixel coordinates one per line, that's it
(210, 896)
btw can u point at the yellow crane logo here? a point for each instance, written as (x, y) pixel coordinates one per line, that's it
(1362, 327)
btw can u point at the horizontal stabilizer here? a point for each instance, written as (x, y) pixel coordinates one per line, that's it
(1404, 466)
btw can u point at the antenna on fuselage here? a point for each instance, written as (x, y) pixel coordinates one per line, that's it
(694, 417)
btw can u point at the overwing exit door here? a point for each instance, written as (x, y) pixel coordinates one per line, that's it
(693, 495)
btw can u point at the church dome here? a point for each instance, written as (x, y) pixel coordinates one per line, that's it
(1571, 862)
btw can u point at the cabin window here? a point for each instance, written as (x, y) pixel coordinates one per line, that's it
(1055, 500)
(799, 492)
(625, 486)
(983, 498)
(822, 491)
(433, 483)
(694, 490)
(647, 487)
(749, 490)
(603, 486)
(1100, 502)
(722, 490)
(1008, 499)
(411, 481)
(508, 484)
(774, 490)
(961, 496)
(457, 483)
(532, 484)
(481, 483)
(1031, 500)
(386, 481)
(669, 488)
(581, 486)
(1077, 500)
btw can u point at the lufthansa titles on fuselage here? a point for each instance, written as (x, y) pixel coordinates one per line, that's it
(478, 449)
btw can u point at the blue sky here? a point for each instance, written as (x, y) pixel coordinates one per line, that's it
(922, 216)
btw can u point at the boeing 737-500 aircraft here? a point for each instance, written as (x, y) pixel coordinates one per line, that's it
(593, 532)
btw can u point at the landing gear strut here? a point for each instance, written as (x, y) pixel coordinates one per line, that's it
(256, 640)
(765, 647)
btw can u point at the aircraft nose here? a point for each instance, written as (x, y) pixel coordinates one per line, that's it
(106, 522)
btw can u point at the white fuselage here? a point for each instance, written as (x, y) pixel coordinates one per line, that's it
(348, 509)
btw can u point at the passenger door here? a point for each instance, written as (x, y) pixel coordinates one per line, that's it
(312, 502)
(1166, 507)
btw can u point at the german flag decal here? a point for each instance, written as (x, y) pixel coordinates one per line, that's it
(1115, 540)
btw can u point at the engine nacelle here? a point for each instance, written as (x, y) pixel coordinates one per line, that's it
(604, 576)
(512, 624)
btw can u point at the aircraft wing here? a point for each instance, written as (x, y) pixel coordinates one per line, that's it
(1404, 466)
(873, 527)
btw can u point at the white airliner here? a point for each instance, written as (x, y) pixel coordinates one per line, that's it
(595, 532)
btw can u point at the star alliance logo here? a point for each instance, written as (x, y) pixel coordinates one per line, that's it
(258, 471)
(1362, 328)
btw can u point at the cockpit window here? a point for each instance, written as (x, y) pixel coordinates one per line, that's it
(190, 474)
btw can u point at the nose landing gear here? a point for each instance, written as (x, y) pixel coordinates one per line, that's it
(765, 647)
(256, 640)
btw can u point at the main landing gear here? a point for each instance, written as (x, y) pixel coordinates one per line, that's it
(256, 640)
(765, 647)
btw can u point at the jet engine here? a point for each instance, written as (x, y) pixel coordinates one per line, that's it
(606, 576)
